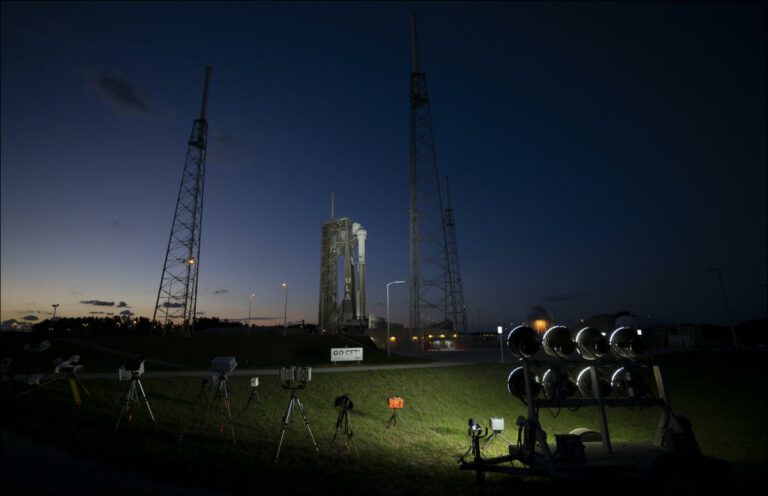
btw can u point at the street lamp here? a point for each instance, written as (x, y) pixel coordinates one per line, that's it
(727, 307)
(388, 285)
(250, 304)
(55, 306)
(285, 310)
(500, 330)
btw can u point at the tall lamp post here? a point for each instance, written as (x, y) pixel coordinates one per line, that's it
(285, 310)
(388, 285)
(500, 330)
(727, 307)
(55, 306)
(250, 305)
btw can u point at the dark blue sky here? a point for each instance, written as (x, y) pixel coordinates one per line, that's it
(602, 155)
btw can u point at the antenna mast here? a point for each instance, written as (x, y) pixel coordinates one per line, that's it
(431, 295)
(176, 303)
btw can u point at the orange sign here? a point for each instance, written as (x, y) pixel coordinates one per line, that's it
(395, 402)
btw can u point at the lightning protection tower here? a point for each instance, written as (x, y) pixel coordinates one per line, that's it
(431, 298)
(458, 309)
(176, 302)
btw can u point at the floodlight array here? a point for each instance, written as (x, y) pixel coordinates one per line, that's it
(611, 358)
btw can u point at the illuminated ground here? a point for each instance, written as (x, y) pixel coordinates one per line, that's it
(419, 456)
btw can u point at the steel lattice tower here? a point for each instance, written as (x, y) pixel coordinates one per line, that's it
(176, 302)
(458, 309)
(430, 279)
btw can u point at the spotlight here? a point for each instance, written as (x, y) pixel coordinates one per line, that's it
(523, 341)
(557, 385)
(516, 385)
(584, 383)
(558, 342)
(630, 381)
(628, 343)
(592, 344)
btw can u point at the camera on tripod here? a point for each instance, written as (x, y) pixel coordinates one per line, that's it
(475, 429)
(134, 366)
(343, 402)
(223, 365)
(295, 377)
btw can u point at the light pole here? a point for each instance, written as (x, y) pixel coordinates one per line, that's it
(388, 285)
(250, 304)
(55, 306)
(727, 307)
(285, 310)
(500, 330)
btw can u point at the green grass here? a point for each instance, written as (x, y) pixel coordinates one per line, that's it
(417, 457)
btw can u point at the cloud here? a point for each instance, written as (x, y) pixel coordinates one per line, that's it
(566, 297)
(76, 292)
(127, 313)
(121, 93)
(98, 303)
(221, 291)
(168, 304)
(31, 317)
(122, 304)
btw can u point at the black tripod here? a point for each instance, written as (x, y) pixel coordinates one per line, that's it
(222, 391)
(294, 400)
(131, 396)
(393, 419)
(344, 425)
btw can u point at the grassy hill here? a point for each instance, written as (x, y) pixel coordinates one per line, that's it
(720, 394)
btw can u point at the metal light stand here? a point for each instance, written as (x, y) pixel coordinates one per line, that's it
(131, 396)
(344, 424)
(294, 401)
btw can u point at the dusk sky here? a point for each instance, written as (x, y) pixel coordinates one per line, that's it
(602, 156)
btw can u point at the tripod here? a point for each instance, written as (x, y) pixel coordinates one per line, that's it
(255, 393)
(344, 425)
(131, 396)
(294, 400)
(74, 385)
(221, 391)
(493, 436)
(393, 419)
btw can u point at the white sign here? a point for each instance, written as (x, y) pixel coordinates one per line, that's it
(346, 354)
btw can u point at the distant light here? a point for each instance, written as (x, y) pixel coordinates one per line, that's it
(540, 325)
(639, 332)
(392, 338)
(415, 338)
(442, 336)
(455, 335)
(285, 285)
(191, 261)
(429, 336)
(499, 330)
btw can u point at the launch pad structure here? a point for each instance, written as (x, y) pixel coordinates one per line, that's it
(342, 239)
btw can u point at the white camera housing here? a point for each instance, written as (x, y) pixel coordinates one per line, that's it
(497, 424)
